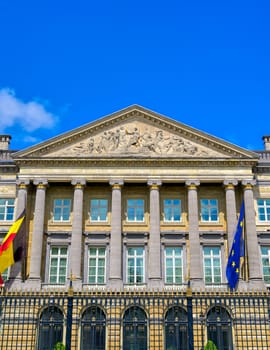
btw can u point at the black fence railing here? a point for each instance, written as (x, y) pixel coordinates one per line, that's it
(133, 320)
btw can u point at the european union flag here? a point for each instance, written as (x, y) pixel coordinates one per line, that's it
(237, 251)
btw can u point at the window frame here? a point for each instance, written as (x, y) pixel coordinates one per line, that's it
(99, 207)
(6, 206)
(172, 208)
(212, 265)
(264, 256)
(264, 206)
(135, 257)
(174, 267)
(208, 207)
(97, 256)
(59, 257)
(136, 208)
(62, 208)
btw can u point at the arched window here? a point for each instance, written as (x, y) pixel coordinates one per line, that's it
(93, 329)
(176, 329)
(219, 328)
(135, 329)
(50, 328)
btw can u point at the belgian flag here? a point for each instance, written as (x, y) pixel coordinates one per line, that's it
(12, 248)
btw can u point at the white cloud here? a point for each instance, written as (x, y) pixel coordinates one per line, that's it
(30, 115)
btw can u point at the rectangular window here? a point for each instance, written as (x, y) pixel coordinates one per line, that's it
(135, 210)
(265, 254)
(58, 265)
(209, 210)
(172, 210)
(263, 209)
(61, 210)
(98, 210)
(7, 206)
(212, 265)
(96, 265)
(135, 265)
(173, 265)
(5, 274)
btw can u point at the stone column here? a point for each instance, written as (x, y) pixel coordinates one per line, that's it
(154, 260)
(229, 186)
(77, 227)
(115, 275)
(195, 268)
(252, 247)
(37, 234)
(15, 275)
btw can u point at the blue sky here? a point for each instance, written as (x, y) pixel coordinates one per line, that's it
(66, 63)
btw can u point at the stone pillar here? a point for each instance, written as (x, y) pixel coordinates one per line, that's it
(196, 266)
(252, 247)
(77, 227)
(154, 260)
(231, 218)
(37, 234)
(15, 275)
(115, 275)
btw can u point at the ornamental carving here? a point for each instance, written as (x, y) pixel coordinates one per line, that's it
(140, 139)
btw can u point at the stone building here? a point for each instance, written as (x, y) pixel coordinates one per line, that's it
(137, 204)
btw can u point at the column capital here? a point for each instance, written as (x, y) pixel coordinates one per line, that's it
(248, 184)
(78, 183)
(41, 183)
(154, 184)
(230, 184)
(116, 183)
(192, 184)
(22, 183)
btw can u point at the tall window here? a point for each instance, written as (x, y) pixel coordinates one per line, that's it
(135, 265)
(5, 274)
(96, 265)
(212, 265)
(176, 329)
(263, 209)
(265, 253)
(209, 210)
(50, 328)
(98, 209)
(58, 265)
(93, 329)
(173, 265)
(219, 328)
(135, 329)
(172, 210)
(7, 206)
(135, 210)
(61, 209)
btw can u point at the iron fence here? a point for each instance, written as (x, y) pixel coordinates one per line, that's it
(133, 320)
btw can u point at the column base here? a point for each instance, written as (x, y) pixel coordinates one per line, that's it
(197, 284)
(14, 283)
(77, 285)
(256, 284)
(155, 283)
(33, 283)
(116, 284)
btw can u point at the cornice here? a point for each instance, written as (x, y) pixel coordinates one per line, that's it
(129, 162)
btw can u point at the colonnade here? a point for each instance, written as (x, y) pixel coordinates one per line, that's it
(154, 258)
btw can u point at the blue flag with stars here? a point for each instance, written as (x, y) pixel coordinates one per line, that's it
(237, 251)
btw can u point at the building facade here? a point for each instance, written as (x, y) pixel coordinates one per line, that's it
(135, 213)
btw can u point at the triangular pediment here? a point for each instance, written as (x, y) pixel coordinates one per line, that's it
(134, 132)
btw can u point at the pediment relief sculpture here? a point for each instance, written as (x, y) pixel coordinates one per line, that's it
(138, 138)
